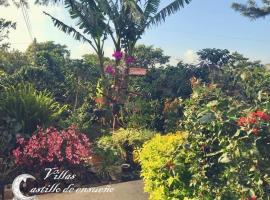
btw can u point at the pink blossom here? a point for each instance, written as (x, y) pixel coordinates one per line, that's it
(46, 147)
(118, 55)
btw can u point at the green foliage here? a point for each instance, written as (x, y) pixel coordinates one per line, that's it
(90, 118)
(248, 83)
(121, 147)
(5, 26)
(12, 61)
(147, 106)
(165, 173)
(169, 82)
(225, 155)
(122, 137)
(111, 159)
(217, 57)
(142, 113)
(129, 21)
(28, 107)
(252, 9)
(149, 57)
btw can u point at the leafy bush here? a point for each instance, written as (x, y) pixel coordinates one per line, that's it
(248, 83)
(142, 113)
(109, 161)
(226, 153)
(28, 107)
(165, 173)
(226, 161)
(53, 147)
(123, 137)
(124, 142)
(172, 111)
(90, 119)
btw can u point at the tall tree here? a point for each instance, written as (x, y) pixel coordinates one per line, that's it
(252, 10)
(149, 57)
(214, 57)
(124, 21)
(5, 26)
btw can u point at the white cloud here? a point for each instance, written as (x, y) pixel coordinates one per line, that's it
(190, 57)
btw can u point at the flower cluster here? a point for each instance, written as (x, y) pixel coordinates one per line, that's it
(53, 146)
(119, 55)
(253, 121)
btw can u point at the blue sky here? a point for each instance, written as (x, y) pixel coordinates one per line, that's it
(201, 24)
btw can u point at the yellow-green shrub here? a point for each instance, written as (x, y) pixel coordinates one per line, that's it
(164, 171)
(122, 137)
(124, 142)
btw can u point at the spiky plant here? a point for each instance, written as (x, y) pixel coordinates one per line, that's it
(28, 107)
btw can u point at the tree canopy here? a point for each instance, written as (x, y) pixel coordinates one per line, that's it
(5, 26)
(252, 9)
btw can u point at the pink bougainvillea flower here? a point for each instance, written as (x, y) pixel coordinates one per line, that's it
(118, 55)
(129, 60)
(110, 70)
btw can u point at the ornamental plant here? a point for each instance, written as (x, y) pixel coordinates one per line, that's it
(52, 147)
(123, 138)
(28, 107)
(228, 146)
(225, 156)
(165, 173)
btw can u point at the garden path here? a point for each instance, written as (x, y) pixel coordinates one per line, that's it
(132, 190)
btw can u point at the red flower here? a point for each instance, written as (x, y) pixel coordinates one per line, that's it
(262, 115)
(242, 121)
(245, 121)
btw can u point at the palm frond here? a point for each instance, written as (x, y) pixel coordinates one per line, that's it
(151, 7)
(89, 16)
(69, 30)
(168, 10)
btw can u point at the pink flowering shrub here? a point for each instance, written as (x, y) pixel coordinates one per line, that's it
(51, 146)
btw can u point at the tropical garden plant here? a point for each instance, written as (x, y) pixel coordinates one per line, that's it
(28, 107)
(52, 147)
